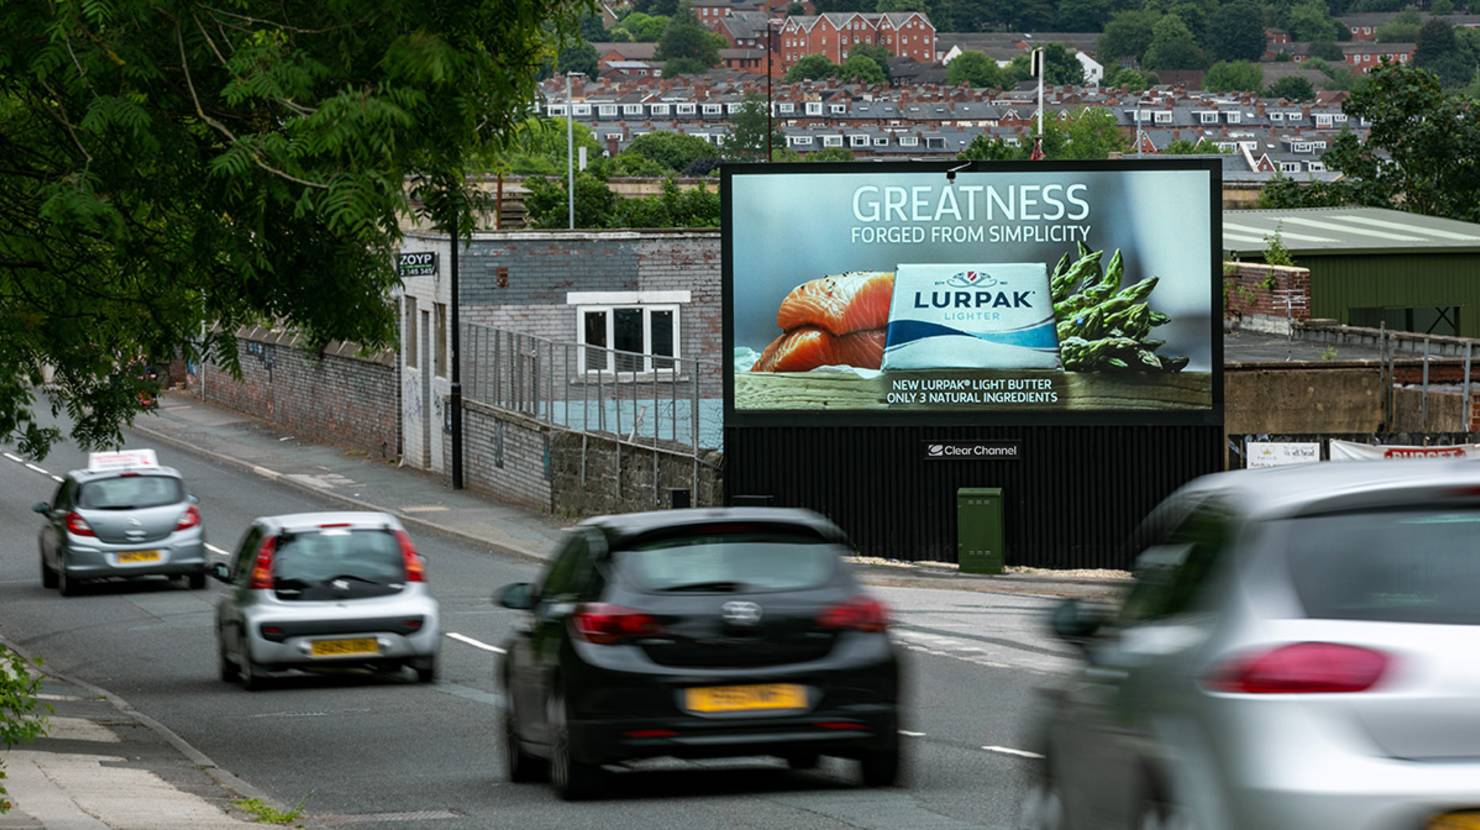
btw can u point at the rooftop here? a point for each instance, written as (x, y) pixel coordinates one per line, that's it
(1318, 231)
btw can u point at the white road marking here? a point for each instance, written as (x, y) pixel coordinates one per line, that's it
(426, 508)
(213, 549)
(58, 479)
(13, 457)
(479, 644)
(908, 733)
(35, 469)
(1007, 750)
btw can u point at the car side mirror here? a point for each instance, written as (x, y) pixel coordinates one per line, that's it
(1075, 622)
(41, 507)
(518, 596)
(221, 572)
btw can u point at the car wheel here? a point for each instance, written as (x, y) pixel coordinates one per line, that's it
(1041, 809)
(66, 586)
(521, 766)
(880, 767)
(573, 779)
(226, 669)
(197, 582)
(48, 576)
(803, 760)
(426, 669)
(253, 680)
(1157, 815)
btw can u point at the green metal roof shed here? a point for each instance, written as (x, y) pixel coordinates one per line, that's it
(1373, 265)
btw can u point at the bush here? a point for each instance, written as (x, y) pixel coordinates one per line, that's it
(674, 151)
(20, 711)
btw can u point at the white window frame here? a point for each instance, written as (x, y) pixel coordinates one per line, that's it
(1163, 117)
(838, 109)
(632, 109)
(1276, 116)
(614, 136)
(605, 110)
(1294, 116)
(1234, 117)
(1323, 119)
(881, 141)
(939, 145)
(832, 141)
(909, 141)
(580, 109)
(814, 107)
(799, 140)
(1316, 166)
(786, 107)
(608, 302)
(658, 109)
(1338, 117)
(733, 107)
(555, 110)
(714, 109)
(687, 109)
(857, 140)
(1289, 167)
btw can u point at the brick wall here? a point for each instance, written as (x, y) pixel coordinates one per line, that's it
(504, 456)
(339, 397)
(1263, 296)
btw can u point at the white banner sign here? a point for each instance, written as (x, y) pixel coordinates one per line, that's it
(1350, 451)
(1280, 453)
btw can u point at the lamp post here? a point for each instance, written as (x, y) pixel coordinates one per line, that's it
(570, 162)
(454, 402)
(770, 49)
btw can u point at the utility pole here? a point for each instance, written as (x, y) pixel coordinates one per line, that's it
(455, 398)
(770, 48)
(570, 161)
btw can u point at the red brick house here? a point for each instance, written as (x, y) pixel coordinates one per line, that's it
(1366, 56)
(904, 34)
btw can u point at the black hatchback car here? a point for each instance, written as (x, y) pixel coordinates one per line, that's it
(703, 633)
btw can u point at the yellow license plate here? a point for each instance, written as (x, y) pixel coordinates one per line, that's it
(745, 698)
(131, 557)
(1456, 821)
(344, 648)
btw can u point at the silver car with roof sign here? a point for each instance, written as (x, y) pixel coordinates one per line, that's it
(125, 516)
(325, 591)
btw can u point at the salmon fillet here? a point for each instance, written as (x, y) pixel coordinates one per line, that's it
(841, 304)
(809, 347)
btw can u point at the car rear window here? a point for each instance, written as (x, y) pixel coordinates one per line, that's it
(731, 559)
(1418, 566)
(316, 557)
(130, 492)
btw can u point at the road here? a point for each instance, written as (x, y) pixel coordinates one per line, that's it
(376, 753)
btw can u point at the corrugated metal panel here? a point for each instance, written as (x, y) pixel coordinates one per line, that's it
(1072, 501)
(1341, 283)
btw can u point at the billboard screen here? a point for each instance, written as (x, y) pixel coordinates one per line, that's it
(981, 292)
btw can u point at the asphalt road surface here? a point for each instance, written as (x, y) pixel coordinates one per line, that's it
(363, 752)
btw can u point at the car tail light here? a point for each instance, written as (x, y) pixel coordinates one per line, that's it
(843, 725)
(1303, 669)
(330, 525)
(190, 518)
(651, 733)
(415, 570)
(78, 526)
(605, 624)
(262, 567)
(857, 614)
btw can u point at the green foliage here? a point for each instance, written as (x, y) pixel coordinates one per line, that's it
(1275, 252)
(685, 66)
(1240, 32)
(591, 28)
(537, 147)
(1131, 80)
(577, 56)
(617, 34)
(1061, 68)
(990, 148)
(636, 166)
(1327, 50)
(645, 28)
(1292, 88)
(811, 68)
(696, 207)
(1439, 51)
(676, 152)
(666, 8)
(747, 140)
(20, 711)
(1311, 21)
(265, 813)
(861, 69)
(1441, 7)
(172, 164)
(1082, 15)
(545, 205)
(877, 54)
(1183, 147)
(831, 154)
(598, 207)
(1092, 134)
(1401, 29)
(1172, 46)
(1235, 76)
(685, 39)
(975, 69)
(1127, 35)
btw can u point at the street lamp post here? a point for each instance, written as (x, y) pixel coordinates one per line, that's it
(570, 162)
(454, 401)
(770, 49)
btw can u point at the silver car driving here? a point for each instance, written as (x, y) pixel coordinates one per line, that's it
(124, 516)
(1299, 651)
(325, 591)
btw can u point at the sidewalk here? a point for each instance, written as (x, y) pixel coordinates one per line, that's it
(424, 502)
(103, 766)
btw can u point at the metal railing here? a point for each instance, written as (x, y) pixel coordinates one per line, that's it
(653, 400)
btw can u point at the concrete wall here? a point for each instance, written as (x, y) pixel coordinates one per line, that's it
(1445, 411)
(1302, 401)
(341, 397)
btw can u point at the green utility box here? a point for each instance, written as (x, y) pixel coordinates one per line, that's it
(979, 530)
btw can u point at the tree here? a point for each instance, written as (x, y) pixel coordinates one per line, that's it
(1441, 7)
(1292, 88)
(877, 54)
(645, 28)
(537, 147)
(1401, 29)
(991, 148)
(1061, 67)
(21, 717)
(685, 66)
(1310, 21)
(1240, 32)
(696, 207)
(1127, 35)
(861, 69)
(684, 38)
(666, 8)
(166, 167)
(1082, 15)
(748, 132)
(545, 205)
(675, 151)
(1235, 76)
(1327, 51)
(1093, 134)
(577, 56)
(1184, 147)
(811, 68)
(974, 69)
(832, 154)
(592, 29)
(1131, 80)
(1439, 52)
(1172, 46)
(901, 6)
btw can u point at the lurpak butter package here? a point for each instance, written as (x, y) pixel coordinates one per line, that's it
(990, 316)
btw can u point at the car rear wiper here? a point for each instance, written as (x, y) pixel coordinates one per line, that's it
(355, 578)
(116, 507)
(718, 586)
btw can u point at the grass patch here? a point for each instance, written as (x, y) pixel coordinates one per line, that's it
(260, 811)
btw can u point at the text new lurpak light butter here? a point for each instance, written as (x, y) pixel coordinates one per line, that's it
(986, 316)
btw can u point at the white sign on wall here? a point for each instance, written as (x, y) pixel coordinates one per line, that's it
(1280, 453)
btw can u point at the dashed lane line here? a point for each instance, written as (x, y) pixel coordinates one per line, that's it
(35, 469)
(13, 457)
(478, 644)
(908, 734)
(1007, 750)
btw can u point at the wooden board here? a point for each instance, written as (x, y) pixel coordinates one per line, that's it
(1076, 391)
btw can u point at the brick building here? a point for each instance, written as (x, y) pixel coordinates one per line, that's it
(833, 35)
(1367, 56)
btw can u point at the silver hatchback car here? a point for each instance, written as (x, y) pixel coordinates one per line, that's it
(1299, 651)
(125, 516)
(325, 591)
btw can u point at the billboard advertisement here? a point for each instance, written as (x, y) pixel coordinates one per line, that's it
(973, 292)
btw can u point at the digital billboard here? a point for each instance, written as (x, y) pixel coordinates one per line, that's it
(978, 291)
